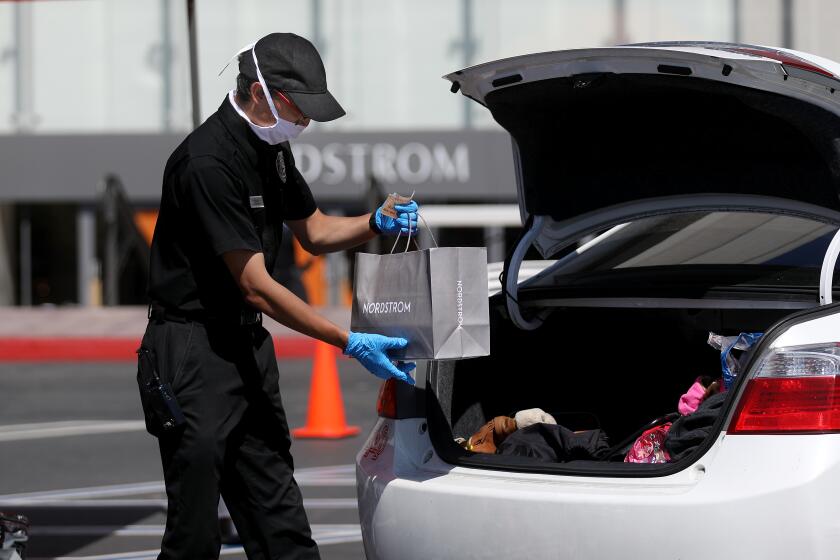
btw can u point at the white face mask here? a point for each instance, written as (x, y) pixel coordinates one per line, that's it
(282, 130)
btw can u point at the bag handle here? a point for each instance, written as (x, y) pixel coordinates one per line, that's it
(409, 239)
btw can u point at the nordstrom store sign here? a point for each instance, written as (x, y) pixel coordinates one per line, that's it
(413, 163)
(473, 165)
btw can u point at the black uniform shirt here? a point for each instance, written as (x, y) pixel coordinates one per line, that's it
(222, 190)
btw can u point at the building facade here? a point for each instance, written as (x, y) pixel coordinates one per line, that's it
(98, 88)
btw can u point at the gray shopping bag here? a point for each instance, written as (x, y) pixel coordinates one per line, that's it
(434, 298)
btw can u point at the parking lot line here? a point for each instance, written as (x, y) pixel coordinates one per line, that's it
(227, 550)
(322, 530)
(323, 534)
(22, 432)
(89, 492)
(151, 503)
(333, 475)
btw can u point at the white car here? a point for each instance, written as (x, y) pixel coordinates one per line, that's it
(680, 189)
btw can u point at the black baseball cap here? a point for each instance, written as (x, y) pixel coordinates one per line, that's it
(292, 65)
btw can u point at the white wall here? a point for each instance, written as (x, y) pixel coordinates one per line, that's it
(96, 64)
(761, 22)
(816, 27)
(679, 20)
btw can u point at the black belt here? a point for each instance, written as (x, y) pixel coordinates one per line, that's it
(244, 318)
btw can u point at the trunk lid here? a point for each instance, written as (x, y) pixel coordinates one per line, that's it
(593, 128)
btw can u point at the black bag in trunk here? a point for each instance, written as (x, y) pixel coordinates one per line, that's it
(556, 444)
(688, 432)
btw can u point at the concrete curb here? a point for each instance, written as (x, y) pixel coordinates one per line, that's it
(112, 334)
(113, 349)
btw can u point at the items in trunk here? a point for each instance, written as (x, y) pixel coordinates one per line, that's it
(702, 388)
(728, 346)
(535, 433)
(525, 418)
(650, 448)
(556, 444)
(688, 432)
(490, 435)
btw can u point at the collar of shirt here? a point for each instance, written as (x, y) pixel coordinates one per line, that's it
(250, 145)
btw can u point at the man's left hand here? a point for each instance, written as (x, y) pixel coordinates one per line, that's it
(405, 222)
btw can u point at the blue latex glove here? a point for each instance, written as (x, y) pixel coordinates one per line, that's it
(406, 217)
(371, 351)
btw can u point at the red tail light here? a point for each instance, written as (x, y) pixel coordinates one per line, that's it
(797, 405)
(386, 404)
(794, 390)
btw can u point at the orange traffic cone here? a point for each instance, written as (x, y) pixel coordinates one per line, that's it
(325, 416)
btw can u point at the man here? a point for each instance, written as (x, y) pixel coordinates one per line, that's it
(227, 190)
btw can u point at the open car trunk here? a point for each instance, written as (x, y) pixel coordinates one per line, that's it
(635, 139)
(590, 367)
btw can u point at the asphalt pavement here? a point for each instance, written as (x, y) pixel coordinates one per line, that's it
(76, 459)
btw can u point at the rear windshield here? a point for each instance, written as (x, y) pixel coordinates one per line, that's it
(728, 248)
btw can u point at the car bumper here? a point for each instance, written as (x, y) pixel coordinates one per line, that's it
(750, 497)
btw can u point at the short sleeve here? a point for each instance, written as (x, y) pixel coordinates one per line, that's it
(220, 207)
(298, 202)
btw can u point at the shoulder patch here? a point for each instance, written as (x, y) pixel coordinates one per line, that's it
(280, 164)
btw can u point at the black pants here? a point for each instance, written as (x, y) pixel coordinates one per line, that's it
(236, 442)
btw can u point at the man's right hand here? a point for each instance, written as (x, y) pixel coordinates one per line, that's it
(372, 351)
(405, 223)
